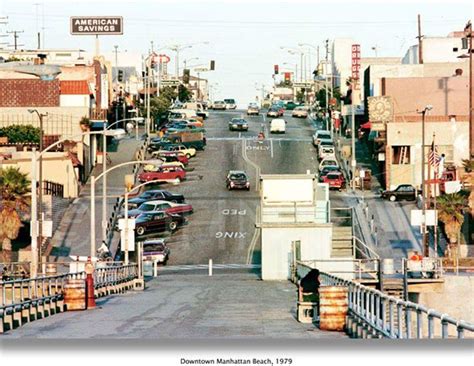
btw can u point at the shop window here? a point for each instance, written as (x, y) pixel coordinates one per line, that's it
(400, 155)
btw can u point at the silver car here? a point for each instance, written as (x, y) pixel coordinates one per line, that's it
(300, 112)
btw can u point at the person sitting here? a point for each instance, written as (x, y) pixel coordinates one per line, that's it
(308, 289)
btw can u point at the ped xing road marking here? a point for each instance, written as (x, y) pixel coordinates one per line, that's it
(279, 139)
(233, 212)
(257, 168)
(231, 235)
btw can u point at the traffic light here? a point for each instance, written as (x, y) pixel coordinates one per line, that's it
(120, 76)
(276, 69)
(213, 65)
(186, 76)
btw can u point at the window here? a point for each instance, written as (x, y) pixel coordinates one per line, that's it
(455, 49)
(400, 155)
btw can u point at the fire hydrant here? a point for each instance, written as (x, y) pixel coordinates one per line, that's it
(90, 299)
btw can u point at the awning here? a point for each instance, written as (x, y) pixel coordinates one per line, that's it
(366, 125)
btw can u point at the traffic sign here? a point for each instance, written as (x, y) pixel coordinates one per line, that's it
(170, 82)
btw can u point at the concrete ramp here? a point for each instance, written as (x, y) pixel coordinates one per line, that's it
(227, 305)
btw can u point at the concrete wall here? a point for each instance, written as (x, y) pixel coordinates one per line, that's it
(276, 248)
(455, 299)
(447, 95)
(70, 100)
(436, 49)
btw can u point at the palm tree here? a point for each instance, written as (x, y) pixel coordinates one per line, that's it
(468, 180)
(14, 187)
(451, 209)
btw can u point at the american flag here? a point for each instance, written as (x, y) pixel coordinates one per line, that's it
(433, 156)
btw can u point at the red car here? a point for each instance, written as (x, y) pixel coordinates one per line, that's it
(335, 180)
(164, 174)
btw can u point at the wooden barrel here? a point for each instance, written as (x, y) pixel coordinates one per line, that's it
(51, 269)
(333, 306)
(75, 295)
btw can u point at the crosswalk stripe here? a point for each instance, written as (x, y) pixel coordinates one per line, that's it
(187, 267)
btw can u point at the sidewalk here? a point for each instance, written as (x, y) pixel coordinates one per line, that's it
(73, 234)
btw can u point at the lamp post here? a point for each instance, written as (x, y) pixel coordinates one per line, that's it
(177, 48)
(316, 48)
(294, 51)
(34, 213)
(40, 228)
(296, 68)
(93, 181)
(426, 249)
(185, 62)
(104, 168)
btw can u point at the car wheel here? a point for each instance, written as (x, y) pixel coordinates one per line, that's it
(140, 230)
(173, 225)
(188, 156)
(248, 188)
(393, 198)
(178, 179)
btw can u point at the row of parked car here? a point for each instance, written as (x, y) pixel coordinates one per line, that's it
(329, 170)
(158, 210)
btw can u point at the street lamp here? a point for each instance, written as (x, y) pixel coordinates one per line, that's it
(177, 48)
(104, 168)
(294, 51)
(188, 60)
(426, 249)
(93, 181)
(34, 213)
(296, 68)
(40, 116)
(316, 48)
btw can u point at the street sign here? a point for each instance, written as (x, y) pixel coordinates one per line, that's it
(416, 217)
(302, 85)
(131, 234)
(101, 25)
(170, 82)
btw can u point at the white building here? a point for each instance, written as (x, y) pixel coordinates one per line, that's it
(437, 49)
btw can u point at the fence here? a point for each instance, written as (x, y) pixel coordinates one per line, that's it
(54, 189)
(24, 300)
(373, 314)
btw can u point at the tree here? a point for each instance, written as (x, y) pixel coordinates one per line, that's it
(300, 95)
(14, 187)
(451, 208)
(184, 94)
(468, 179)
(21, 134)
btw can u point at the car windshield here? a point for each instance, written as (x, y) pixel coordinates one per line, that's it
(230, 101)
(238, 176)
(333, 176)
(238, 120)
(146, 207)
(325, 136)
(147, 194)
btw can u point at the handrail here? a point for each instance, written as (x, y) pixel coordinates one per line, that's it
(372, 252)
(375, 316)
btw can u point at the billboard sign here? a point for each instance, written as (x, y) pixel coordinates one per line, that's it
(355, 64)
(96, 25)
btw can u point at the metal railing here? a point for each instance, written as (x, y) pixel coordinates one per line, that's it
(391, 317)
(294, 213)
(54, 189)
(356, 269)
(114, 274)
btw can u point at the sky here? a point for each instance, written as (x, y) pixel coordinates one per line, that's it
(245, 37)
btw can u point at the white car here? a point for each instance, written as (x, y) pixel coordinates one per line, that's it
(300, 112)
(230, 103)
(277, 125)
(329, 161)
(219, 105)
(326, 150)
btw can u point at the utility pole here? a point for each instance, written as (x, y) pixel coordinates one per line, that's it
(420, 41)
(326, 79)
(15, 38)
(468, 28)
(353, 150)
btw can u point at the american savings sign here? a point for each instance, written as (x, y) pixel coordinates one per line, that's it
(355, 62)
(96, 25)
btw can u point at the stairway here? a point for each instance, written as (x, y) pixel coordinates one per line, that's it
(394, 287)
(342, 246)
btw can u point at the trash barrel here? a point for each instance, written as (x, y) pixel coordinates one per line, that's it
(388, 266)
(333, 307)
(75, 294)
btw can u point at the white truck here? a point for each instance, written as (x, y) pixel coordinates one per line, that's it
(277, 126)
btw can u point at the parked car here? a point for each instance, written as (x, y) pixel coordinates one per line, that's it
(155, 194)
(159, 221)
(329, 161)
(163, 174)
(402, 192)
(326, 170)
(158, 205)
(335, 180)
(230, 103)
(321, 135)
(237, 179)
(253, 109)
(186, 151)
(154, 167)
(325, 149)
(300, 112)
(170, 156)
(238, 124)
(219, 105)
(156, 250)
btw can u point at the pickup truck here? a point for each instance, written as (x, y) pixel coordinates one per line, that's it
(179, 148)
(191, 139)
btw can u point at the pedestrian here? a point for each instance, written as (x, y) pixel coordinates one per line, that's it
(309, 287)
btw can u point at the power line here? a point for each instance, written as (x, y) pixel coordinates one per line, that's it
(15, 38)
